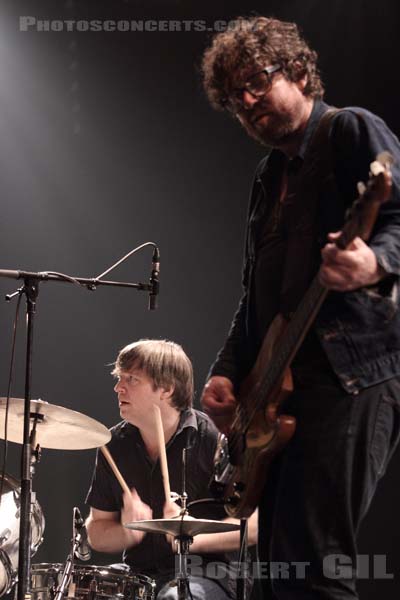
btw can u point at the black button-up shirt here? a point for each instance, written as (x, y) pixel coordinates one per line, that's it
(153, 556)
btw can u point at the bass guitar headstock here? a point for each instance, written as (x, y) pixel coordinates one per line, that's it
(361, 217)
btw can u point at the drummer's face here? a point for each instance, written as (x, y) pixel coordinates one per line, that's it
(136, 396)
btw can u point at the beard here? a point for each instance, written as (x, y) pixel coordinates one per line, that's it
(278, 130)
(278, 121)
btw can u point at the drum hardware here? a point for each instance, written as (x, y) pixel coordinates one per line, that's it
(183, 528)
(83, 551)
(51, 427)
(54, 427)
(186, 526)
(7, 573)
(91, 582)
(78, 529)
(4, 536)
(9, 528)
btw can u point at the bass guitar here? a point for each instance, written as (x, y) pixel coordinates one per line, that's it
(259, 431)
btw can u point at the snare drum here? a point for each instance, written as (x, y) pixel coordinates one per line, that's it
(90, 582)
(9, 531)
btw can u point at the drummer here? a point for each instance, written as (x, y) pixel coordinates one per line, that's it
(158, 372)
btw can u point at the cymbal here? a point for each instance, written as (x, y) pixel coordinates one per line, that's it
(186, 526)
(56, 427)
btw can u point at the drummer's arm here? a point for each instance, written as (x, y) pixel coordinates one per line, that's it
(106, 532)
(225, 542)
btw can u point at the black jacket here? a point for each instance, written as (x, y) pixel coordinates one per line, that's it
(360, 330)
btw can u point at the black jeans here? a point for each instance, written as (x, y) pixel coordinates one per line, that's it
(320, 487)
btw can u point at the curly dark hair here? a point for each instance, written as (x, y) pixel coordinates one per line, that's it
(258, 41)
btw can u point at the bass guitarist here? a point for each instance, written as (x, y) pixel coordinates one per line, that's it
(346, 398)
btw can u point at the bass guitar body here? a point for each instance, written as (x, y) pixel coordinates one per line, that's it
(251, 451)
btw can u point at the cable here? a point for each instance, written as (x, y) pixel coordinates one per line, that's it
(121, 260)
(207, 501)
(64, 276)
(188, 588)
(10, 378)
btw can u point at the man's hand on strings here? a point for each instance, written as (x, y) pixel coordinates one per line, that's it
(350, 269)
(219, 402)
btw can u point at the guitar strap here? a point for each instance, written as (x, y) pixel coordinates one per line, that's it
(302, 243)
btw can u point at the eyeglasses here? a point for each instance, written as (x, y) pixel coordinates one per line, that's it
(257, 85)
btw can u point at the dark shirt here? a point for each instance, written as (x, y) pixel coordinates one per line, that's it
(359, 331)
(153, 556)
(276, 219)
(273, 224)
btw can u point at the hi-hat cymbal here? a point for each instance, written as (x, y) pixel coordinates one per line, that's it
(56, 427)
(186, 526)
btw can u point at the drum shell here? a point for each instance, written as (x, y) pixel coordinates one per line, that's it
(9, 531)
(89, 582)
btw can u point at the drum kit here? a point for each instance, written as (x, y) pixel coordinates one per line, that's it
(61, 428)
(35, 424)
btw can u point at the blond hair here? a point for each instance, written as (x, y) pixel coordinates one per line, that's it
(165, 363)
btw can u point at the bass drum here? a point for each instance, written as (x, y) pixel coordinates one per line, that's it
(10, 502)
(89, 582)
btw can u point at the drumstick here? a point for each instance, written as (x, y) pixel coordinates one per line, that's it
(163, 454)
(115, 469)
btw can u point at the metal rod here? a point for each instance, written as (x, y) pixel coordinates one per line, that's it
(90, 283)
(31, 291)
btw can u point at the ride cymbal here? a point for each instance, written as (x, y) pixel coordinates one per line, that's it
(56, 427)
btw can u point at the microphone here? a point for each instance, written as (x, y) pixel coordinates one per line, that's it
(83, 551)
(154, 283)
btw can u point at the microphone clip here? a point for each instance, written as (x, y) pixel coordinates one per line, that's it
(154, 281)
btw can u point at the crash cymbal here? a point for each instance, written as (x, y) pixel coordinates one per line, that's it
(186, 526)
(56, 427)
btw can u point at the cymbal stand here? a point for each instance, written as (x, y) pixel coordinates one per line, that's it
(183, 542)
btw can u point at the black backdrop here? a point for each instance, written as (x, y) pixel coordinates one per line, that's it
(107, 141)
